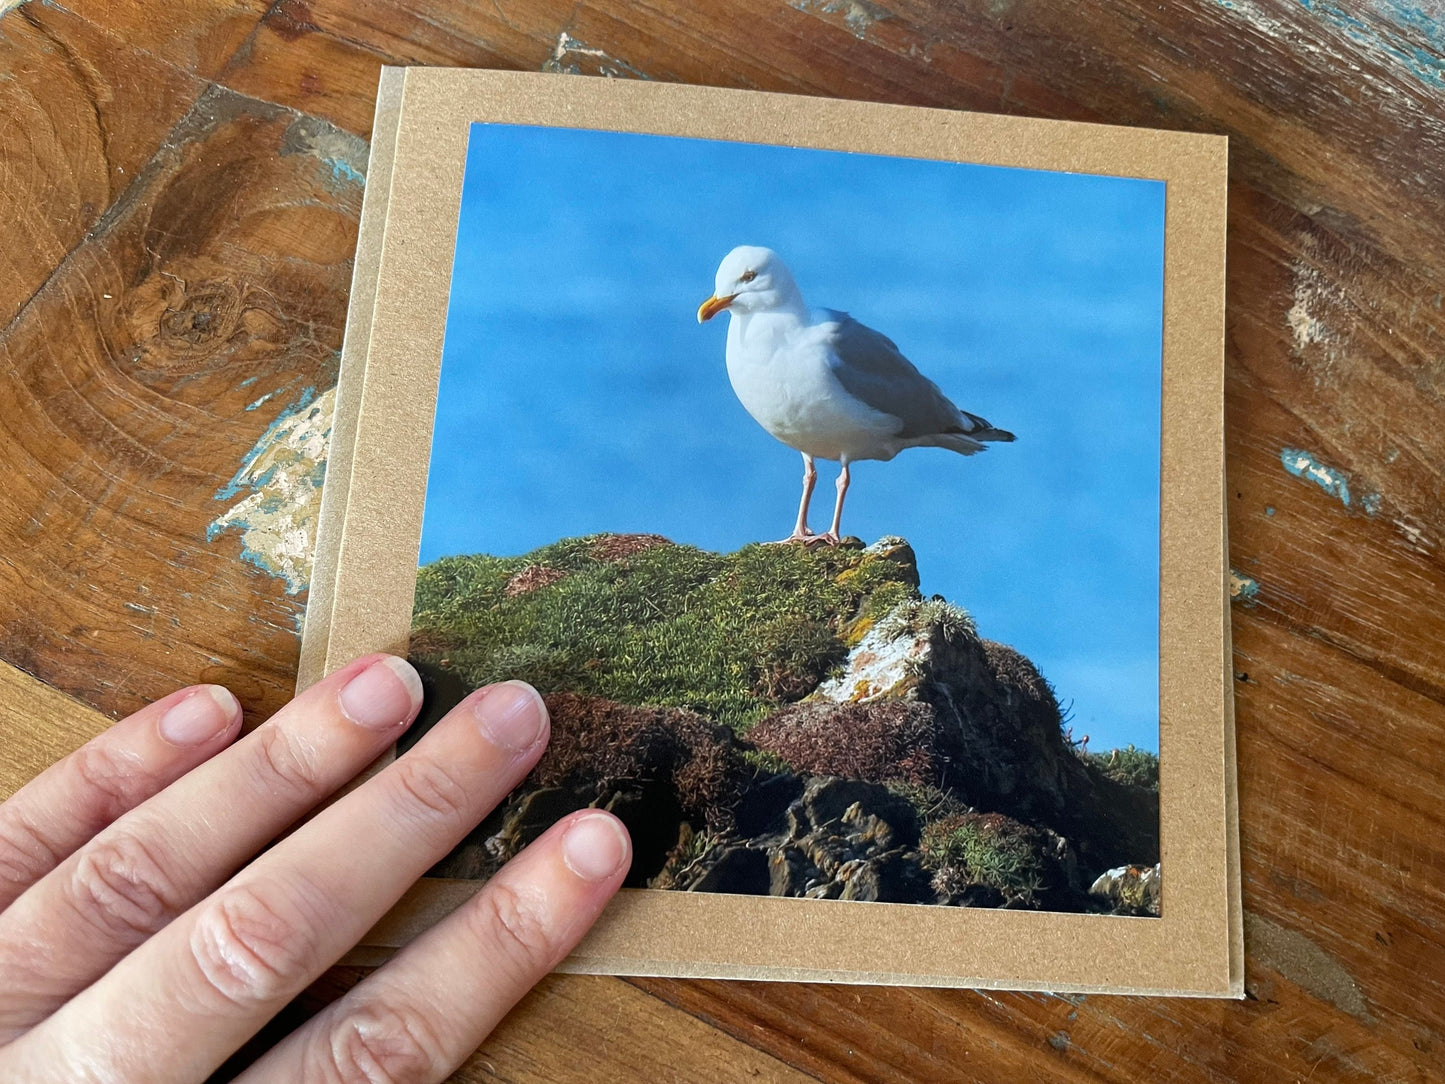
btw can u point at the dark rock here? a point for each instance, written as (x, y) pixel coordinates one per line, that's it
(653, 818)
(791, 873)
(827, 800)
(441, 690)
(737, 870)
(843, 841)
(767, 803)
(529, 817)
(978, 896)
(895, 876)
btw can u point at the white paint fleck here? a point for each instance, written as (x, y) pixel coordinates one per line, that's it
(1414, 534)
(284, 473)
(1303, 317)
(568, 48)
(1305, 466)
(858, 15)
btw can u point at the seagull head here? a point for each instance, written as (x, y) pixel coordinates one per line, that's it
(752, 279)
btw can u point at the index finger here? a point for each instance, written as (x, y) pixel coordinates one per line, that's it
(62, 808)
(178, 1005)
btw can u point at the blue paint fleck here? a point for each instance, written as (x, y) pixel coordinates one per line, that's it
(1269, 509)
(249, 381)
(343, 171)
(1426, 64)
(1370, 502)
(233, 487)
(261, 400)
(1306, 467)
(261, 561)
(1242, 587)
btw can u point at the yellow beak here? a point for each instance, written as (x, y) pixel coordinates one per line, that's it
(712, 306)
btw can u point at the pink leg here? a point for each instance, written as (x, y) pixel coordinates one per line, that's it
(834, 535)
(800, 530)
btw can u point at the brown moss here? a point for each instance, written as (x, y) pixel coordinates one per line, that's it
(530, 579)
(881, 742)
(429, 644)
(616, 547)
(1018, 675)
(597, 741)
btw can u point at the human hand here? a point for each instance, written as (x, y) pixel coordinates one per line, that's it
(132, 950)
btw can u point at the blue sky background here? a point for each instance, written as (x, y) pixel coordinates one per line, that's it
(578, 393)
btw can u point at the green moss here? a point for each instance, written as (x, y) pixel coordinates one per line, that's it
(932, 804)
(765, 762)
(988, 849)
(729, 635)
(1136, 767)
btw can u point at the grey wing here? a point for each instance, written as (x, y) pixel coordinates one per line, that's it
(871, 368)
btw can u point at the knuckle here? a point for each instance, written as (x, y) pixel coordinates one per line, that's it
(121, 887)
(516, 925)
(253, 946)
(382, 1044)
(430, 792)
(26, 854)
(110, 781)
(285, 765)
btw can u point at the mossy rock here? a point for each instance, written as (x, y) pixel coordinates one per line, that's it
(1129, 766)
(642, 621)
(989, 849)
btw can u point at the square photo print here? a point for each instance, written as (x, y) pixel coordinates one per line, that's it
(818, 493)
(849, 481)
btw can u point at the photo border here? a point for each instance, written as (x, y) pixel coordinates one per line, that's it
(369, 533)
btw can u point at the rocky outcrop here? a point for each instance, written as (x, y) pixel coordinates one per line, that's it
(785, 721)
(839, 839)
(1129, 890)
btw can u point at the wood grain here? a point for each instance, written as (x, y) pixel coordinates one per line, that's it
(151, 147)
(131, 385)
(40, 726)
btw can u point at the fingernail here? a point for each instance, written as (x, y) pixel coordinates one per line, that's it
(383, 695)
(200, 716)
(595, 846)
(512, 715)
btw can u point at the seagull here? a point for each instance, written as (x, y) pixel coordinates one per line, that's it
(824, 384)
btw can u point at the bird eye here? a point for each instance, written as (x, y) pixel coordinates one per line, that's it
(748, 275)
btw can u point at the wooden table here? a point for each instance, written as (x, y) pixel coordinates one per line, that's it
(179, 188)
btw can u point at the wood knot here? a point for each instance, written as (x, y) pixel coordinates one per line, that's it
(206, 314)
(191, 320)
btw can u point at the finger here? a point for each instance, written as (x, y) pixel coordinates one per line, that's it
(176, 1007)
(156, 861)
(421, 1015)
(64, 806)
